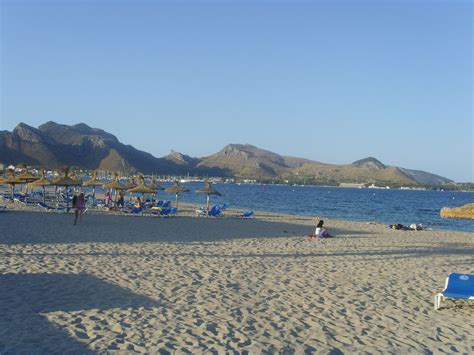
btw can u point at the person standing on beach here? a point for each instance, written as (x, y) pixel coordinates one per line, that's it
(107, 199)
(121, 199)
(78, 203)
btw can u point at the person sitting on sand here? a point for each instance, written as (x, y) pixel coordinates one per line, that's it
(137, 207)
(320, 231)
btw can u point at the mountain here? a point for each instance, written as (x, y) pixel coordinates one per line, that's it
(370, 163)
(53, 145)
(245, 160)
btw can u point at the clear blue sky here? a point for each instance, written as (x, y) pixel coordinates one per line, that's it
(332, 81)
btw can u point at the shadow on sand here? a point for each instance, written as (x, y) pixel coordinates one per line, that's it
(24, 329)
(373, 254)
(51, 228)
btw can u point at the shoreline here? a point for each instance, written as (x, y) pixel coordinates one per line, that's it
(188, 210)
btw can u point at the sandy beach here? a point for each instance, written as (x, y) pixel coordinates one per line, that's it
(193, 285)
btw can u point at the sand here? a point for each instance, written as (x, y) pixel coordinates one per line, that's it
(193, 285)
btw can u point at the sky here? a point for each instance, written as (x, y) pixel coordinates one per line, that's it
(332, 81)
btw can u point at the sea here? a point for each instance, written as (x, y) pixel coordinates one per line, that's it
(388, 206)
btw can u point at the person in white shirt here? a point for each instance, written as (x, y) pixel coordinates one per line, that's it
(320, 231)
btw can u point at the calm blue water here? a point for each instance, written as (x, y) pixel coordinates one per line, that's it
(385, 206)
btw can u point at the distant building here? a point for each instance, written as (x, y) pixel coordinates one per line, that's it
(353, 185)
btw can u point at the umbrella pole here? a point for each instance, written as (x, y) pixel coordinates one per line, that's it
(67, 200)
(44, 195)
(93, 195)
(176, 202)
(207, 206)
(13, 191)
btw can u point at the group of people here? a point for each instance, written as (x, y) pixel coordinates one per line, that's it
(120, 200)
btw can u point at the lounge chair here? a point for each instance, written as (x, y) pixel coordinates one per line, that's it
(137, 210)
(49, 208)
(215, 211)
(460, 286)
(247, 214)
(166, 212)
(201, 211)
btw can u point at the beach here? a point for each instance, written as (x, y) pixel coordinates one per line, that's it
(191, 285)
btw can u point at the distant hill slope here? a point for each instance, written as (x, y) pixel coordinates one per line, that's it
(425, 178)
(53, 145)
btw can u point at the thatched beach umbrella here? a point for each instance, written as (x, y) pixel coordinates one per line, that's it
(26, 177)
(114, 184)
(154, 186)
(142, 189)
(12, 181)
(74, 177)
(209, 190)
(130, 184)
(176, 189)
(466, 211)
(43, 182)
(94, 182)
(66, 181)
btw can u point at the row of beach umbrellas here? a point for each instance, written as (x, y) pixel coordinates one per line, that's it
(67, 180)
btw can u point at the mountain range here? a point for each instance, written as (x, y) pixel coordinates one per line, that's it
(54, 145)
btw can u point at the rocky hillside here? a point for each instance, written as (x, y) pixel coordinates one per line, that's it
(53, 145)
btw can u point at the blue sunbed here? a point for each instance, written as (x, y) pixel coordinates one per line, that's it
(247, 214)
(460, 286)
(215, 211)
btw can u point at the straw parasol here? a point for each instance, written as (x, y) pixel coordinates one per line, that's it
(114, 184)
(25, 177)
(142, 188)
(466, 211)
(74, 177)
(42, 183)
(154, 186)
(176, 189)
(130, 184)
(66, 181)
(12, 181)
(209, 190)
(94, 182)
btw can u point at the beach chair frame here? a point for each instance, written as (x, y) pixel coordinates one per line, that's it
(463, 288)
